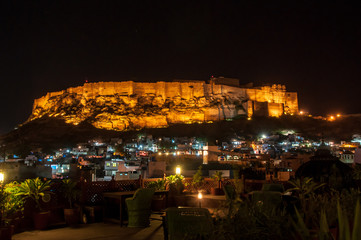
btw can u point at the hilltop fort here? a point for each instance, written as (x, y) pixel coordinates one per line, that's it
(134, 105)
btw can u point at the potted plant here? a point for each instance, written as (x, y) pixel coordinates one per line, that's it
(13, 205)
(5, 229)
(37, 191)
(71, 193)
(176, 188)
(217, 176)
(158, 201)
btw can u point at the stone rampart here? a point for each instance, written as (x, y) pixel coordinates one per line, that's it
(133, 105)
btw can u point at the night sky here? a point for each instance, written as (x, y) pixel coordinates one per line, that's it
(312, 47)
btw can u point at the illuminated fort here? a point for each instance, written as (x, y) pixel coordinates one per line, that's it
(134, 105)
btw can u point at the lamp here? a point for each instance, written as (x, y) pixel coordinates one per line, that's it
(178, 170)
(200, 196)
(2, 176)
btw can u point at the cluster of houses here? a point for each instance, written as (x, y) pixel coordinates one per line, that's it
(278, 156)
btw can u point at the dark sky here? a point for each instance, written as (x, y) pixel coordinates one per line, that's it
(312, 47)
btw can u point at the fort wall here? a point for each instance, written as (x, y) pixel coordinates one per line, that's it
(169, 102)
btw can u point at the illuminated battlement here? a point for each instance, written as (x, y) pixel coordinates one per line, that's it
(134, 105)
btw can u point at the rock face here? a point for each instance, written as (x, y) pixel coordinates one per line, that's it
(132, 105)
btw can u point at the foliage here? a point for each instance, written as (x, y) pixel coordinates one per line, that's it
(3, 196)
(70, 190)
(304, 187)
(344, 226)
(198, 179)
(251, 221)
(35, 189)
(217, 176)
(323, 232)
(13, 203)
(357, 172)
(238, 183)
(300, 227)
(159, 185)
(175, 183)
(303, 231)
(305, 190)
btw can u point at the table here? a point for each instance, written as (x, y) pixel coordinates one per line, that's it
(121, 196)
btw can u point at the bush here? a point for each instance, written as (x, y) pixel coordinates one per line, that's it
(13, 203)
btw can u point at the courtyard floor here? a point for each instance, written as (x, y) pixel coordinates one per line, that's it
(97, 231)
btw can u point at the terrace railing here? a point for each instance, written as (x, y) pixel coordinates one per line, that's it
(91, 192)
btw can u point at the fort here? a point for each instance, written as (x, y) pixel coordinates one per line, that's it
(134, 105)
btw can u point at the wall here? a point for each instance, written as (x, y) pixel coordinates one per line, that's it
(17, 171)
(291, 103)
(134, 105)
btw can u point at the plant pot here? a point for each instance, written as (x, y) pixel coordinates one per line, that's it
(217, 191)
(41, 220)
(71, 216)
(6, 233)
(180, 200)
(16, 223)
(158, 203)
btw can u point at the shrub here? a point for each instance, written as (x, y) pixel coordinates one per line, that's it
(36, 190)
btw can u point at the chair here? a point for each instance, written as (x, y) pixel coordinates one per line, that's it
(184, 223)
(139, 207)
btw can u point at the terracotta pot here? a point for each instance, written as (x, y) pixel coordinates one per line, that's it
(71, 216)
(6, 233)
(41, 220)
(180, 200)
(158, 203)
(15, 224)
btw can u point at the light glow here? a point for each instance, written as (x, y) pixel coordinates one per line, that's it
(178, 170)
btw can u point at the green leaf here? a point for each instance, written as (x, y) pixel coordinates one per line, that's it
(324, 233)
(356, 232)
(301, 227)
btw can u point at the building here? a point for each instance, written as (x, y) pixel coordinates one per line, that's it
(18, 171)
(138, 105)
